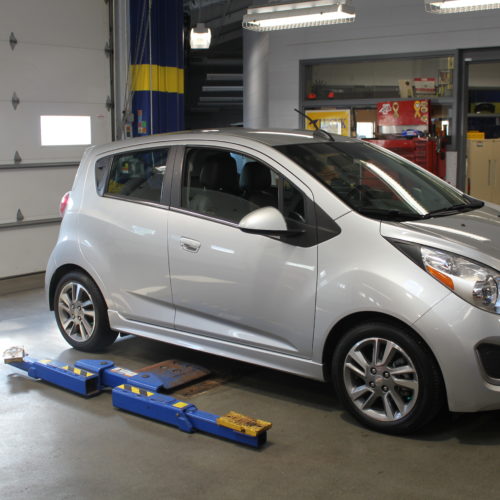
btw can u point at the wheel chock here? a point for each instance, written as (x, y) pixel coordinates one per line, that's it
(136, 392)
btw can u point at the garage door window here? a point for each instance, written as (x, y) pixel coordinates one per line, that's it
(138, 175)
(65, 130)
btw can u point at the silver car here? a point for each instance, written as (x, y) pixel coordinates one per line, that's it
(318, 255)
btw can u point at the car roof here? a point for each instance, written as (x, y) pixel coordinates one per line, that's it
(269, 137)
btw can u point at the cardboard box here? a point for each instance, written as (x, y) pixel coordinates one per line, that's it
(424, 86)
(405, 88)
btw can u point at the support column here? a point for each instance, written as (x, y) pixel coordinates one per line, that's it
(255, 79)
(121, 52)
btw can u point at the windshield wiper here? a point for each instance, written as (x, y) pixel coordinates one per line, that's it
(459, 207)
(397, 215)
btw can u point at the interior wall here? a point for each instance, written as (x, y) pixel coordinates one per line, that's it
(381, 27)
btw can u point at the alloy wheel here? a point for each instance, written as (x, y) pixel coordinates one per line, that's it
(76, 312)
(381, 380)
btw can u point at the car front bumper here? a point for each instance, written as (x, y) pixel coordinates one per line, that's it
(455, 330)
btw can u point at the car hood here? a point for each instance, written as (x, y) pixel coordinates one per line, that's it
(474, 234)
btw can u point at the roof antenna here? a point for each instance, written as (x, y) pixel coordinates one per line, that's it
(319, 132)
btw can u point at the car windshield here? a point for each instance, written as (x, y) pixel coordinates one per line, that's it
(378, 183)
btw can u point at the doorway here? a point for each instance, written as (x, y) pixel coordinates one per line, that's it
(480, 110)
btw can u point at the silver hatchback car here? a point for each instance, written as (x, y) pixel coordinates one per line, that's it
(319, 255)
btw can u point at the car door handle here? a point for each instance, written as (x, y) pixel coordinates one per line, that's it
(190, 245)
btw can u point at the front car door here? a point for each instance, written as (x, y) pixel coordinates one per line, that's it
(243, 288)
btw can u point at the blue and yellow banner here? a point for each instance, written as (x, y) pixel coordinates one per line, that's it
(157, 65)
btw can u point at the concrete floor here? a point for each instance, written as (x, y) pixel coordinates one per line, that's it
(57, 445)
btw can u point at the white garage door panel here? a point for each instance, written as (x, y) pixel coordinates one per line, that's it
(20, 131)
(57, 67)
(75, 23)
(36, 191)
(54, 74)
(26, 250)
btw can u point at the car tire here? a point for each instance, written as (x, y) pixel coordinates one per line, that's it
(387, 378)
(81, 313)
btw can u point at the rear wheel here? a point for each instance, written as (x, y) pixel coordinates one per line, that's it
(387, 378)
(81, 313)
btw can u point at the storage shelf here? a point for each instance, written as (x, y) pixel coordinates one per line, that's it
(312, 103)
(483, 115)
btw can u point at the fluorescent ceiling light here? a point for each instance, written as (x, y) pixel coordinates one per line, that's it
(455, 6)
(200, 37)
(298, 15)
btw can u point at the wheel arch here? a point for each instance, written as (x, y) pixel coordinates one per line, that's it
(352, 320)
(58, 274)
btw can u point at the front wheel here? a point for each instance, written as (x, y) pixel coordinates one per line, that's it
(387, 378)
(81, 313)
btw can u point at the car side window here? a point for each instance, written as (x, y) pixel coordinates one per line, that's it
(228, 185)
(138, 175)
(293, 203)
(101, 173)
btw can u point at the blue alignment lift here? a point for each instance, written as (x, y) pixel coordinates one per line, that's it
(138, 393)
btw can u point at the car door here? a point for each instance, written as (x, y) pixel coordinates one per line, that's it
(123, 233)
(243, 288)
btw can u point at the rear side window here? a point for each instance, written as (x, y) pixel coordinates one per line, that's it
(138, 175)
(101, 173)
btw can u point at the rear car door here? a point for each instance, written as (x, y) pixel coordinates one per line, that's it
(123, 232)
(243, 288)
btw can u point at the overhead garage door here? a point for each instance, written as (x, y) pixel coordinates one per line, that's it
(53, 63)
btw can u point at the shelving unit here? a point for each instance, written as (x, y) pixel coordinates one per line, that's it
(483, 115)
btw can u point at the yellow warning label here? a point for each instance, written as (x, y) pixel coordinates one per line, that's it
(180, 404)
(45, 361)
(78, 371)
(136, 390)
(241, 423)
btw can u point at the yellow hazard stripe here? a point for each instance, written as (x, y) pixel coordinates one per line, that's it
(78, 371)
(180, 404)
(136, 390)
(159, 78)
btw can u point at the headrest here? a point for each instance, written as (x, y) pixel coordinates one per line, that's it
(196, 159)
(255, 177)
(219, 172)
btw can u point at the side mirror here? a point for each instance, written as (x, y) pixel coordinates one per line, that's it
(266, 221)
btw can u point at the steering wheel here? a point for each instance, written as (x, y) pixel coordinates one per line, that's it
(297, 217)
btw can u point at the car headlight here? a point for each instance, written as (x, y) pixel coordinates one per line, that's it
(476, 283)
